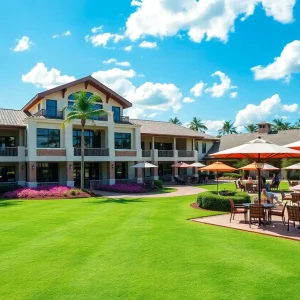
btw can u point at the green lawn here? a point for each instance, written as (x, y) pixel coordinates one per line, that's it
(136, 249)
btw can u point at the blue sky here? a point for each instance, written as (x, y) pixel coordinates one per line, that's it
(184, 44)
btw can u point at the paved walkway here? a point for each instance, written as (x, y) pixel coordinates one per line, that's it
(182, 190)
(275, 229)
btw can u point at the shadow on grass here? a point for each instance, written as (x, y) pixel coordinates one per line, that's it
(6, 203)
(117, 200)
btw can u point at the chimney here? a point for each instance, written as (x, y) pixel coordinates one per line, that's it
(264, 127)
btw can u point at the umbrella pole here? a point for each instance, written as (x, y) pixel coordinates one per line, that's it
(217, 184)
(259, 185)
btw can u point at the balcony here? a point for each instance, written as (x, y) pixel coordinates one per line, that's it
(101, 118)
(146, 153)
(165, 153)
(122, 120)
(185, 153)
(92, 152)
(49, 114)
(9, 151)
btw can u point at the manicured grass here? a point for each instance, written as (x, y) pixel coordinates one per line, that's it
(136, 249)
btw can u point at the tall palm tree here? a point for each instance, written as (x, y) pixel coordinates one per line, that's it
(251, 128)
(297, 124)
(197, 125)
(286, 126)
(83, 110)
(227, 128)
(277, 124)
(175, 121)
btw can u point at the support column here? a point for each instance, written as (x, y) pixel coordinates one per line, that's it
(152, 144)
(155, 171)
(174, 143)
(31, 174)
(174, 171)
(139, 175)
(111, 172)
(21, 173)
(70, 177)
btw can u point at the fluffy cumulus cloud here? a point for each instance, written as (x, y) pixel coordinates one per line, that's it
(116, 62)
(99, 38)
(197, 89)
(55, 36)
(283, 66)
(188, 100)
(265, 110)
(218, 90)
(205, 19)
(145, 44)
(40, 76)
(128, 48)
(213, 126)
(233, 95)
(23, 44)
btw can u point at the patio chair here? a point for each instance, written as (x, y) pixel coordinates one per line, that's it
(257, 211)
(278, 212)
(237, 209)
(249, 187)
(286, 197)
(293, 215)
(295, 198)
(179, 181)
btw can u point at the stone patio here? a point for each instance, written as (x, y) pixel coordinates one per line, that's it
(276, 229)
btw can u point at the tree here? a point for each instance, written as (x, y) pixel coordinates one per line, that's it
(227, 128)
(297, 124)
(277, 124)
(197, 125)
(83, 110)
(175, 121)
(251, 128)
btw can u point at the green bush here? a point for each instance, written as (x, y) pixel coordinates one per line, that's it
(73, 192)
(9, 188)
(232, 175)
(158, 184)
(212, 201)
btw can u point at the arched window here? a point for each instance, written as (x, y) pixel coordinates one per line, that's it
(71, 97)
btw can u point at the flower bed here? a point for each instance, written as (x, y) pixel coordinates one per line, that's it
(121, 188)
(45, 192)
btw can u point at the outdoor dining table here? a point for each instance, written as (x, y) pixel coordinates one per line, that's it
(267, 207)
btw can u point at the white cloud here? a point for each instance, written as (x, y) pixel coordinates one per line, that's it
(145, 44)
(128, 48)
(96, 29)
(213, 126)
(218, 90)
(55, 36)
(23, 44)
(283, 66)
(116, 62)
(118, 37)
(188, 100)
(197, 89)
(101, 39)
(41, 77)
(203, 19)
(290, 108)
(233, 95)
(152, 115)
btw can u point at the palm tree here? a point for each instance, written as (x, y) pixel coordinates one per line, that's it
(197, 125)
(286, 126)
(175, 121)
(278, 123)
(297, 124)
(251, 128)
(83, 110)
(227, 128)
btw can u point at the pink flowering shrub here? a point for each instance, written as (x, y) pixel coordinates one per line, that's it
(122, 188)
(46, 191)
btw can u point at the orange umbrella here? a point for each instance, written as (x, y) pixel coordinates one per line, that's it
(217, 167)
(259, 151)
(295, 145)
(252, 167)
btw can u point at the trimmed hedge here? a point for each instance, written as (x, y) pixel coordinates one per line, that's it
(212, 201)
(9, 188)
(232, 175)
(158, 184)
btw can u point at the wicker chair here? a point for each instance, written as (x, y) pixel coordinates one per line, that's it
(237, 209)
(249, 187)
(257, 211)
(278, 212)
(293, 214)
(295, 198)
(285, 197)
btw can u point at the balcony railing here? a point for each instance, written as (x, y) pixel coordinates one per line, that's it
(185, 153)
(165, 153)
(9, 151)
(146, 153)
(101, 118)
(122, 119)
(92, 152)
(50, 114)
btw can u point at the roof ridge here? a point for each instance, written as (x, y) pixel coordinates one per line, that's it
(11, 109)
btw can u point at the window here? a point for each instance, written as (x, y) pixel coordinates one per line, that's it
(47, 172)
(120, 170)
(7, 174)
(98, 106)
(39, 106)
(91, 172)
(48, 138)
(71, 97)
(51, 108)
(92, 139)
(203, 147)
(122, 140)
(7, 141)
(162, 146)
(117, 113)
(143, 145)
(196, 146)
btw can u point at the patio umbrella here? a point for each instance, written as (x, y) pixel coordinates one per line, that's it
(181, 165)
(217, 167)
(144, 165)
(197, 165)
(293, 167)
(252, 167)
(259, 151)
(295, 145)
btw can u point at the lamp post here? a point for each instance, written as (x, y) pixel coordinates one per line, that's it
(259, 165)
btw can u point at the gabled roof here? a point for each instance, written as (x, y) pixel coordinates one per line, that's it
(89, 80)
(12, 118)
(161, 128)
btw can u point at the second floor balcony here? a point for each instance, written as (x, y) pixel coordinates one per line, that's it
(9, 151)
(50, 114)
(92, 151)
(121, 119)
(170, 155)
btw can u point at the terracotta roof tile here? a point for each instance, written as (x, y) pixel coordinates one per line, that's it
(11, 117)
